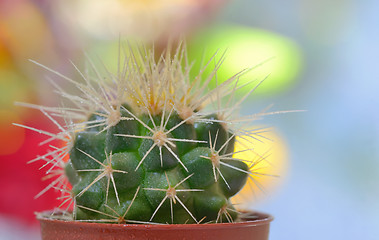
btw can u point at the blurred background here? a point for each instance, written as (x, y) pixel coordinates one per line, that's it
(321, 56)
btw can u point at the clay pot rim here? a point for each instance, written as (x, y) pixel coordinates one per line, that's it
(262, 219)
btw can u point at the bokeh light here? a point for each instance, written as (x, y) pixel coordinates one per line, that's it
(13, 88)
(273, 55)
(268, 161)
(25, 32)
(148, 20)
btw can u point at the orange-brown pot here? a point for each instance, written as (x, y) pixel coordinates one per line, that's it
(257, 228)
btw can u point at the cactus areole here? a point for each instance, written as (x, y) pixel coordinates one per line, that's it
(148, 145)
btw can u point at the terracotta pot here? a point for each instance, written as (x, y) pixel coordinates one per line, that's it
(253, 227)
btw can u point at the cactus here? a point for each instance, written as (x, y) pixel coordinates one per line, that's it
(145, 144)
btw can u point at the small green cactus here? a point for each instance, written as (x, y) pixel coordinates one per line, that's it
(146, 146)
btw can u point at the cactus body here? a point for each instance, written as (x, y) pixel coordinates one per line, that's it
(144, 145)
(171, 181)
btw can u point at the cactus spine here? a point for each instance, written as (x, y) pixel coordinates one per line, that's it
(145, 145)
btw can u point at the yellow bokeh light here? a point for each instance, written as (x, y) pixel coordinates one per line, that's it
(268, 161)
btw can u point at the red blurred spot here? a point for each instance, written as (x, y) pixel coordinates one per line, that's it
(21, 182)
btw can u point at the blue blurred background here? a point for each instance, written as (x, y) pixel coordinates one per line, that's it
(329, 67)
(332, 191)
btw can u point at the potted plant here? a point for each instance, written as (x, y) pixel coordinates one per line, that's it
(150, 155)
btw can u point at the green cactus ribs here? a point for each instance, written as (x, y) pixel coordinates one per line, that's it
(154, 168)
(149, 144)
